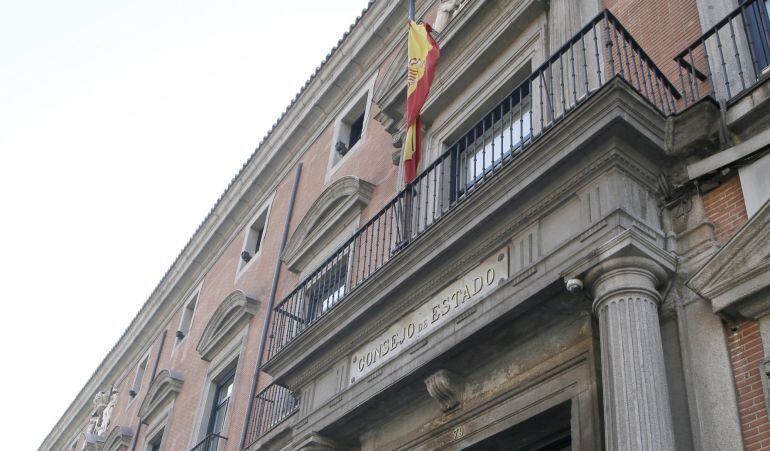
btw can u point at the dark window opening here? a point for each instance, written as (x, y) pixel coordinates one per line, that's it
(356, 128)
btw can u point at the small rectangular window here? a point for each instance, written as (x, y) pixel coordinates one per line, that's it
(187, 317)
(140, 370)
(356, 128)
(255, 237)
(349, 127)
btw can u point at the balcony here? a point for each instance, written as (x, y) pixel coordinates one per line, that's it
(269, 408)
(602, 50)
(730, 58)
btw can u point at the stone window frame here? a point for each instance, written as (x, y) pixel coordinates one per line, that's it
(160, 395)
(229, 358)
(331, 214)
(119, 439)
(193, 297)
(158, 430)
(364, 94)
(263, 210)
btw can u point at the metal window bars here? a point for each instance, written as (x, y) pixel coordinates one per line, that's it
(729, 58)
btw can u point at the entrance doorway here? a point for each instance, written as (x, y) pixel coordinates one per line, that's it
(548, 431)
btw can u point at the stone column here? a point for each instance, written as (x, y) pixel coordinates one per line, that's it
(637, 414)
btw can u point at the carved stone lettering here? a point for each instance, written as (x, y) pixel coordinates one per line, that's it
(444, 306)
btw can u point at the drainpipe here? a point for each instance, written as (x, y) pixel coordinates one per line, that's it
(152, 378)
(270, 302)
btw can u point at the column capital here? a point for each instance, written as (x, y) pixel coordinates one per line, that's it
(631, 274)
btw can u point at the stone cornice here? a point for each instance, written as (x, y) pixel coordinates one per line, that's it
(733, 276)
(615, 105)
(278, 152)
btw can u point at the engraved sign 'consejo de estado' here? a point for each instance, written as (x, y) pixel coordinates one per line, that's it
(445, 305)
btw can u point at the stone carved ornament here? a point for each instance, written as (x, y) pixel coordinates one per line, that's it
(446, 11)
(107, 412)
(445, 387)
(104, 403)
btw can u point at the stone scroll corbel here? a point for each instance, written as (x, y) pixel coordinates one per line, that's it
(445, 387)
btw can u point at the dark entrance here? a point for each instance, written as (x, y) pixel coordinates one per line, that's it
(548, 431)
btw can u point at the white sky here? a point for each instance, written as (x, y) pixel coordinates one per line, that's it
(121, 123)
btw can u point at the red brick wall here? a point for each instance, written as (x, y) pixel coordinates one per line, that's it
(746, 353)
(726, 208)
(662, 27)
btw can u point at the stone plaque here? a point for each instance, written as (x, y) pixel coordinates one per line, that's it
(441, 308)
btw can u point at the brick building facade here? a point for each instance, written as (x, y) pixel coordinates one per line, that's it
(580, 264)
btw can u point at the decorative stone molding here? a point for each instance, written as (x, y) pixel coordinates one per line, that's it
(736, 279)
(335, 208)
(636, 401)
(228, 319)
(445, 387)
(163, 391)
(119, 439)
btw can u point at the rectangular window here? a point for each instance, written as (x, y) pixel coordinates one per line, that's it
(499, 135)
(327, 286)
(224, 389)
(350, 126)
(757, 17)
(139, 376)
(155, 443)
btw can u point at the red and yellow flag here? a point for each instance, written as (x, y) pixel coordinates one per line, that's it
(423, 53)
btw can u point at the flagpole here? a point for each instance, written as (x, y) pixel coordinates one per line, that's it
(411, 10)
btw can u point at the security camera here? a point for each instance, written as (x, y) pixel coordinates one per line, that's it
(575, 286)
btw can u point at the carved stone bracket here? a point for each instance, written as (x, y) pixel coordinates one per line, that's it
(445, 387)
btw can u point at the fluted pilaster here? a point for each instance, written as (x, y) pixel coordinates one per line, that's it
(637, 413)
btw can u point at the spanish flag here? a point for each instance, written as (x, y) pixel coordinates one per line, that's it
(423, 53)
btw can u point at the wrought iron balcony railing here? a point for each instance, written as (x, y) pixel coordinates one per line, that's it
(600, 51)
(209, 443)
(729, 58)
(270, 407)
